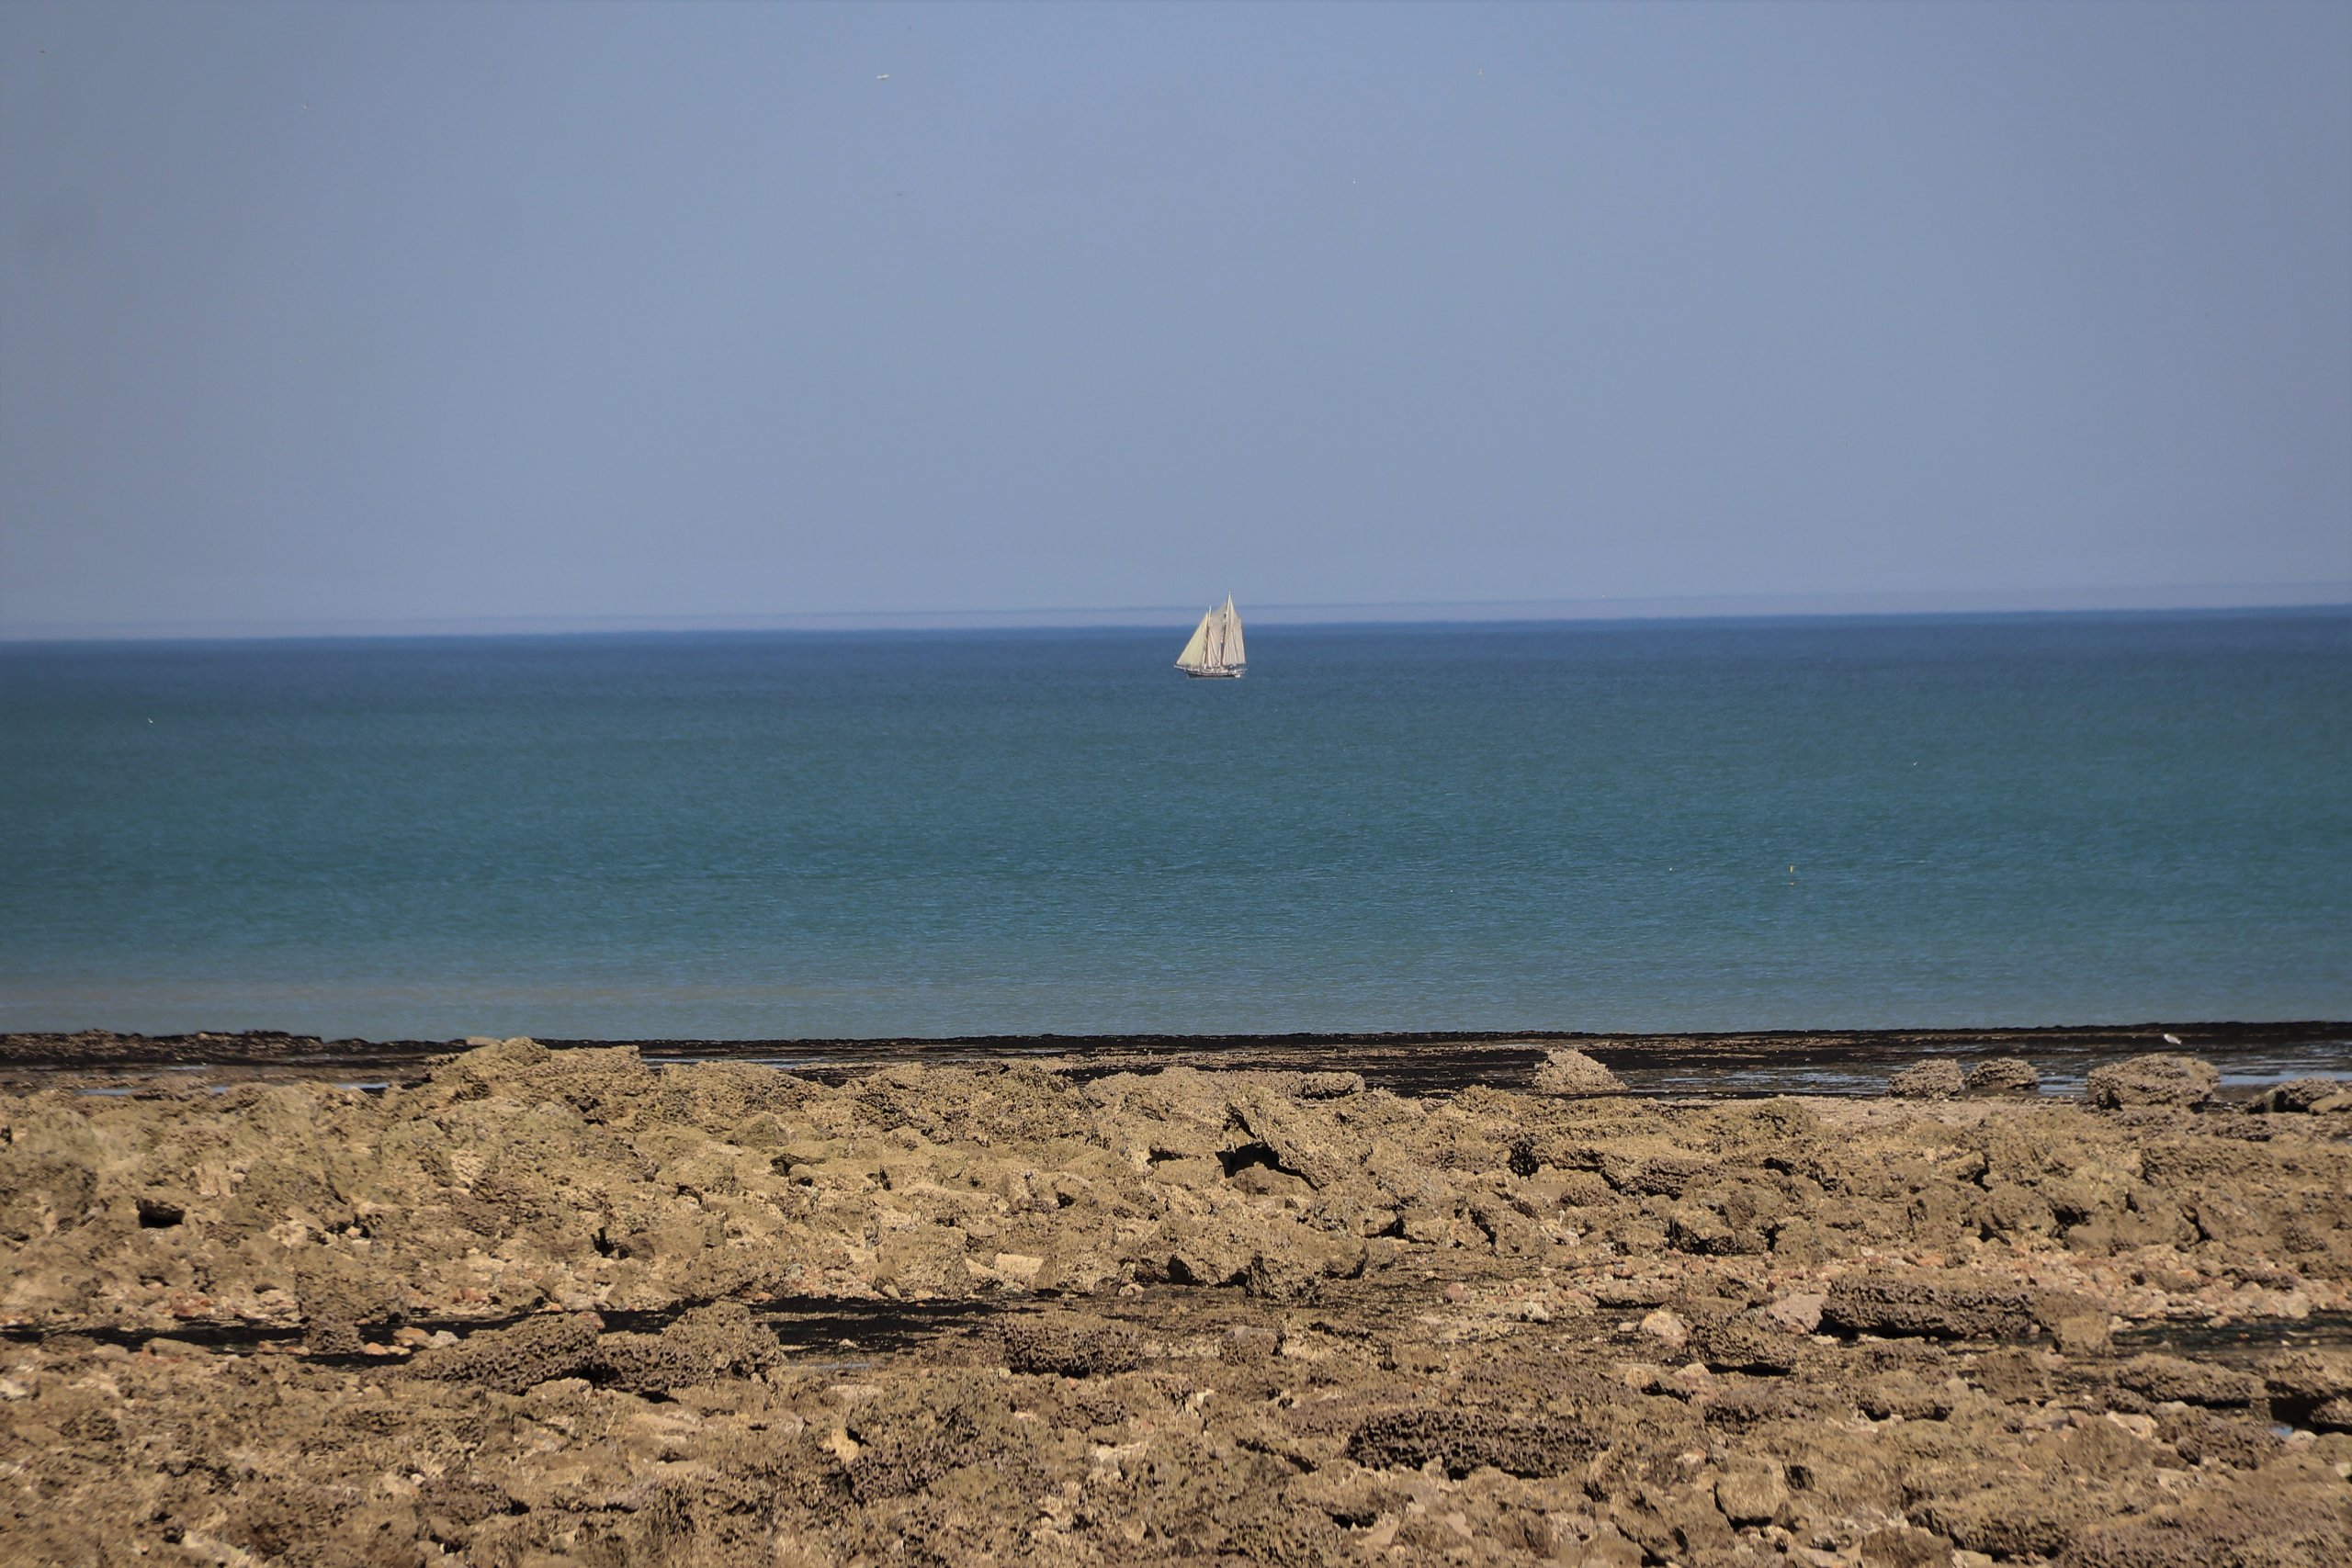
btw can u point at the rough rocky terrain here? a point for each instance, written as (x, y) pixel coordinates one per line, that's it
(1796, 1061)
(549, 1308)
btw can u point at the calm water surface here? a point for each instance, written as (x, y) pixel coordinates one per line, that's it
(1990, 820)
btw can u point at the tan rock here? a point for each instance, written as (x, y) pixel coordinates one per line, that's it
(2004, 1075)
(1798, 1312)
(2159, 1080)
(1929, 1080)
(1752, 1492)
(1572, 1073)
(1667, 1328)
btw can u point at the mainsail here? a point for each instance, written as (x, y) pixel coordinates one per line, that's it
(1196, 653)
(1215, 645)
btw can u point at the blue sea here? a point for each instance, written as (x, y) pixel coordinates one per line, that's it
(1658, 826)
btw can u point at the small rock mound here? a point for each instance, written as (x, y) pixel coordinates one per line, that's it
(1069, 1345)
(1463, 1439)
(492, 1059)
(2310, 1374)
(718, 1341)
(1752, 1492)
(2159, 1079)
(516, 1360)
(2008, 1521)
(1737, 1345)
(2004, 1075)
(1929, 1080)
(2164, 1378)
(1574, 1073)
(2298, 1097)
(1916, 1309)
(2199, 1435)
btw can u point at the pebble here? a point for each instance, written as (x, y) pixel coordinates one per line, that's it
(1798, 1312)
(1666, 1328)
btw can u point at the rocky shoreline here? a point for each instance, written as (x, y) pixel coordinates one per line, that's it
(531, 1307)
(1816, 1061)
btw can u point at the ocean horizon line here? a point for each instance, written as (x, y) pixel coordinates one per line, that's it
(1740, 606)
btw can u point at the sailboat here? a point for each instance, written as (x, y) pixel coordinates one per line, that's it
(1215, 652)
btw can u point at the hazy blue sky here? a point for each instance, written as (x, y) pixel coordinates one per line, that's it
(370, 312)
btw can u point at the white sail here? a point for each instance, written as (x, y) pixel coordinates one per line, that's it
(1196, 653)
(1215, 645)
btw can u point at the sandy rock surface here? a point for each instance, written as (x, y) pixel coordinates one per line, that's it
(2152, 1080)
(2004, 1075)
(1929, 1080)
(557, 1307)
(1574, 1073)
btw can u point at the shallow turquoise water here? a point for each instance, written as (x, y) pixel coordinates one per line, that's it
(1993, 821)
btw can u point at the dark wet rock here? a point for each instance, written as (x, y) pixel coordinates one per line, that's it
(1070, 1345)
(1927, 1080)
(2159, 1079)
(1574, 1073)
(1462, 1439)
(2004, 1075)
(516, 1359)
